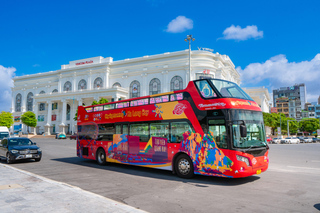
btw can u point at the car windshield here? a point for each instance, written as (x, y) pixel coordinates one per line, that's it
(3, 135)
(230, 90)
(255, 129)
(20, 142)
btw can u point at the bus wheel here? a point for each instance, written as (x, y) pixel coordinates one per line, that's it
(184, 166)
(101, 156)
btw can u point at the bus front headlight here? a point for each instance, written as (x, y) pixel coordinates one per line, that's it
(243, 159)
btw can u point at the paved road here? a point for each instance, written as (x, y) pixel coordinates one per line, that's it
(292, 183)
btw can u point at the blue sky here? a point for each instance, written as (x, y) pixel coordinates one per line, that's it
(271, 43)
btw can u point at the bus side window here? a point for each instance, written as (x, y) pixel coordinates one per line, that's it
(218, 129)
(125, 129)
(118, 129)
(106, 132)
(159, 130)
(141, 130)
(177, 130)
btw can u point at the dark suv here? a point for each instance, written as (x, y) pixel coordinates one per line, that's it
(14, 148)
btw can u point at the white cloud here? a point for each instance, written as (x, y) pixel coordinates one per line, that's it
(239, 34)
(281, 73)
(6, 83)
(179, 25)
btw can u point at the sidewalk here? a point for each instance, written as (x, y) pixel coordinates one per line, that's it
(22, 191)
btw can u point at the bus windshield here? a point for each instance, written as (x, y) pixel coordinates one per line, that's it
(255, 129)
(229, 89)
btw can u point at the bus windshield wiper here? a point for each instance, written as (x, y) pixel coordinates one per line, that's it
(252, 146)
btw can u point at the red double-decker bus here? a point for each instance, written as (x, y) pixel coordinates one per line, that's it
(210, 128)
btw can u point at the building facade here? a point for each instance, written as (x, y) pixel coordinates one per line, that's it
(297, 98)
(55, 95)
(261, 96)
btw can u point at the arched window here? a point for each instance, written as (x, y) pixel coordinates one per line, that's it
(115, 85)
(154, 86)
(18, 102)
(98, 83)
(67, 86)
(55, 90)
(42, 92)
(134, 89)
(82, 84)
(176, 83)
(29, 101)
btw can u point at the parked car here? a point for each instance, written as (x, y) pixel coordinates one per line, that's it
(13, 149)
(315, 140)
(74, 136)
(276, 140)
(290, 140)
(302, 140)
(61, 136)
(269, 139)
(308, 139)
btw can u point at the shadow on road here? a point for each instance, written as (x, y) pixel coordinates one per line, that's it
(198, 180)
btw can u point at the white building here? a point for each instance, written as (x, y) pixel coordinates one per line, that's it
(261, 96)
(55, 95)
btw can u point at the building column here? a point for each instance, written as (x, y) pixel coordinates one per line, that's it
(48, 124)
(164, 83)
(24, 101)
(145, 86)
(74, 83)
(107, 78)
(35, 109)
(89, 80)
(79, 101)
(64, 115)
(72, 115)
(60, 83)
(13, 100)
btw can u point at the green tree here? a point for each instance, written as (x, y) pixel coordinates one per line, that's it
(29, 119)
(270, 120)
(293, 125)
(309, 125)
(6, 119)
(101, 101)
(75, 118)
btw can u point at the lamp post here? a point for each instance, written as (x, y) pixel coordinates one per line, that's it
(189, 39)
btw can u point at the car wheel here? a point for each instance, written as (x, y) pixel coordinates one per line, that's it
(101, 156)
(8, 158)
(184, 166)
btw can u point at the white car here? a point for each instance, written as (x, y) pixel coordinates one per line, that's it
(276, 140)
(308, 139)
(290, 140)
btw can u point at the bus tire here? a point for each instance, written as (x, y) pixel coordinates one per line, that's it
(184, 166)
(101, 156)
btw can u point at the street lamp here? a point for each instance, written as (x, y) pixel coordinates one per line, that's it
(189, 38)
